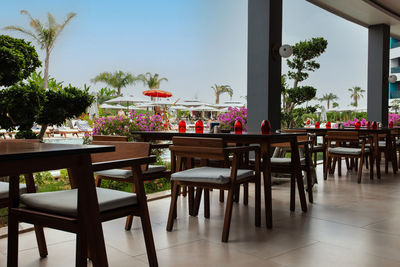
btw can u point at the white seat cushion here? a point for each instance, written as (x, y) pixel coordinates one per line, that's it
(124, 174)
(65, 202)
(286, 161)
(4, 189)
(209, 175)
(347, 150)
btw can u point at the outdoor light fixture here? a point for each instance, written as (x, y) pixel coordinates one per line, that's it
(285, 51)
(392, 78)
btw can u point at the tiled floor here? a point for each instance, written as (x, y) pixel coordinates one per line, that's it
(349, 224)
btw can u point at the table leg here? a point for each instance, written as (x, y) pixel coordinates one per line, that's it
(267, 184)
(13, 200)
(88, 210)
(299, 178)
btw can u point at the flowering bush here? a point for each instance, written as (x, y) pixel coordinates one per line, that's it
(228, 119)
(392, 117)
(124, 125)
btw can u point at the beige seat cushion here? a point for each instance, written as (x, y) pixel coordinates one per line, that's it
(124, 174)
(65, 202)
(4, 189)
(347, 150)
(209, 175)
(286, 161)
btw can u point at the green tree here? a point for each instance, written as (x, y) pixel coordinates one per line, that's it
(151, 81)
(335, 104)
(302, 62)
(329, 98)
(18, 59)
(116, 80)
(105, 94)
(356, 93)
(44, 34)
(24, 104)
(220, 89)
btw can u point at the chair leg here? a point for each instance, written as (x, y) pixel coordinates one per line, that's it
(98, 181)
(366, 162)
(326, 168)
(148, 238)
(228, 215)
(197, 200)
(356, 163)
(324, 160)
(129, 218)
(172, 208)
(41, 240)
(333, 166)
(246, 194)
(236, 195)
(339, 166)
(315, 158)
(309, 185)
(221, 195)
(292, 192)
(12, 247)
(371, 166)
(184, 191)
(207, 203)
(81, 250)
(190, 199)
(346, 160)
(386, 162)
(360, 169)
(378, 166)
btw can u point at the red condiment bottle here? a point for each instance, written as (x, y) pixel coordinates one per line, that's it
(357, 125)
(374, 125)
(390, 124)
(328, 125)
(199, 126)
(182, 126)
(238, 128)
(265, 127)
(308, 122)
(368, 124)
(317, 125)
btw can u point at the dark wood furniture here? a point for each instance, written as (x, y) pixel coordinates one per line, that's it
(19, 158)
(125, 150)
(264, 141)
(205, 178)
(374, 133)
(347, 145)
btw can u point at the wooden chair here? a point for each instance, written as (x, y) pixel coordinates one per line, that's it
(343, 149)
(185, 148)
(285, 165)
(29, 187)
(46, 209)
(127, 150)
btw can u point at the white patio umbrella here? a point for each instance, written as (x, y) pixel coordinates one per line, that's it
(204, 108)
(107, 106)
(178, 107)
(128, 99)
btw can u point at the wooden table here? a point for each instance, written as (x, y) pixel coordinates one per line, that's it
(364, 130)
(20, 158)
(265, 141)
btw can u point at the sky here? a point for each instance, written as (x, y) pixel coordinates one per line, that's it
(193, 43)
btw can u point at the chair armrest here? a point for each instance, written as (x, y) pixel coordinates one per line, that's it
(115, 164)
(241, 149)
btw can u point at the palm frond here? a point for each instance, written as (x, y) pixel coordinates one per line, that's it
(22, 30)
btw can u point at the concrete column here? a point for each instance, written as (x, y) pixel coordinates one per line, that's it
(264, 69)
(378, 72)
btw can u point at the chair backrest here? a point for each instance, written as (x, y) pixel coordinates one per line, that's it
(117, 138)
(123, 150)
(342, 136)
(300, 138)
(194, 147)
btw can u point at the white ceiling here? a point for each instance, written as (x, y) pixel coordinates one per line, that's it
(366, 12)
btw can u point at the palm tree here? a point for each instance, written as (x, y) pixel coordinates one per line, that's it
(116, 80)
(152, 81)
(356, 94)
(328, 98)
(44, 35)
(220, 89)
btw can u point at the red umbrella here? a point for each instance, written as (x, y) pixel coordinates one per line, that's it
(157, 93)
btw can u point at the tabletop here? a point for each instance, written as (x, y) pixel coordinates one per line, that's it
(20, 151)
(362, 129)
